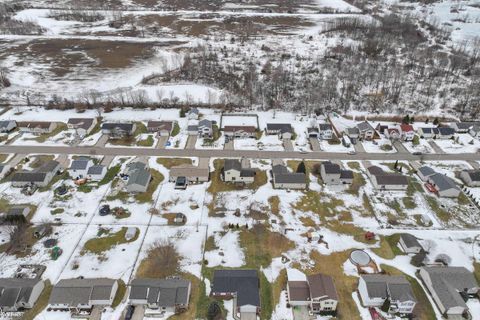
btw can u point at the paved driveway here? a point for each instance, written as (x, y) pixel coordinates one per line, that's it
(229, 145)
(359, 147)
(161, 142)
(400, 147)
(287, 145)
(102, 141)
(315, 144)
(436, 147)
(191, 141)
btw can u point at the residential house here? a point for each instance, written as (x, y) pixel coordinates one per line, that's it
(192, 129)
(331, 173)
(96, 172)
(427, 132)
(80, 294)
(36, 127)
(169, 295)
(326, 131)
(4, 170)
(17, 294)
(313, 132)
(392, 133)
(407, 132)
(387, 180)
(82, 126)
(39, 177)
(450, 287)
(79, 167)
(471, 177)
(381, 128)
(193, 114)
(7, 126)
(191, 174)
(240, 131)
(409, 243)
(366, 131)
(138, 177)
(464, 126)
(284, 179)
(118, 130)
(445, 133)
(243, 286)
(18, 212)
(238, 171)
(162, 128)
(283, 130)
(316, 291)
(205, 128)
(353, 134)
(425, 172)
(474, 131)
(375, 289)
(444, 186)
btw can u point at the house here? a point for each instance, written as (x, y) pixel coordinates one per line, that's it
(240, 131)
(407, 132)
(4, 170)
(284, 179)
(39, 177)
(450, 287)
(192, 129)
(427, 132)
(162, 128)
(238, 171)
(82, 126)
(191, 174)
(19, 293)
(366, 131)
(326, 131)
(474, 131)
(118, 130)
(180, 218)
(353, 134)
(138, 177)
(283, 130)
(425, 172)
(18, 212)
(331, 173)
(79, 167)
(444, 186)
(7, 126)
(392, 133)
(471, 177)
(205, 128)
(464, 126)
(316, 291)
(169, 295)
(243, 286)
(445, 133)
(375, 289)
(36, 127)
(193, 114)
(409, 243)
(96, 172)
(381, 128)
(313, 132)
(81, 294)
(387, 180)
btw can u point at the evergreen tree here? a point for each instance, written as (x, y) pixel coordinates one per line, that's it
(301, 168)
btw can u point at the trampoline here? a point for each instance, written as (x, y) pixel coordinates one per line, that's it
(360, 258)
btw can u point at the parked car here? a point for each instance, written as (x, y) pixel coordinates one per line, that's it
(129, 313)
(352, 152)
(104, 210)
(303, 151)
(417, 153)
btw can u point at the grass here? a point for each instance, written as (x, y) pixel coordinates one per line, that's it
(57, 211)
(196, 295)
(122, 289)
(176, 129)
(274, 202)
(217, 185)
(463, 199)
(40, 160)
(406, 168)
(4, 205)
(41, 303)
(44, 137)
(173, 162)
(388, 247)
(102, 244)
(423, 310)
(96, 129)
(358, 182)
(111, 173)
(310, 166)
(441, 213)
(3, 157)
(354, 165)
(146, 196)
(409, 203)
(476, 271)
(55, 179)
(140, 128)
(148, 142)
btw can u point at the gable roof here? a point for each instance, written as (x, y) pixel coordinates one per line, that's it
(364, 126)
(34, 124)
(280, 127)
(473, 174)
(331, 168)
(325, 126)
(244, 283)
(139, 177)
(123, 126)
(164, 292)
(84, 123)
(384, 286)
(406, 127)
(232, 164)
(409, 240)
(80, 164)
(96, 169)
(446, 131)
(73, 292)
(160, 125)
(387, 178)
(426, 171)
(6, 123)
(322, 285)
(282, 175)
(442, 182)
(14, 290)
(298, 290)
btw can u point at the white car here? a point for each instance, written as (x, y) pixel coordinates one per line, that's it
(352, 152)
(303, 151)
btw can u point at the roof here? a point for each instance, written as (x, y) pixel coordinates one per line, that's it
(281, 127)
(6, 123)
(325, 126)
(244, 283)
(299, 290)
(80, 291)
(442, 182)
(465, 125)
(409, 240)
(322, 285)
(124, 126)
(406, 127)
(382, 286)
(387, 178)
(84, 123)
(364, 126)
(160, 125)
(49, 166)
(249, 129)
(346, 174)
(29, 176)
(426, 171)
(447, 281)
(164, 292)
(205, 123)
(446, 131)
(17, 211)
(232, 164)
(473, 174)
(80, 164)
(34, 124)
(426, 129)
(353, 130)
(13, 290)
(282, 175)
(331, 168)
(96, 169)
(139, 177)
(192, 127)
(136, 165)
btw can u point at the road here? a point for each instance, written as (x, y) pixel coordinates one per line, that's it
(252, 154)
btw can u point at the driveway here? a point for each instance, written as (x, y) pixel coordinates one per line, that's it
(107, 160)
(230, 145)
(315, 144)
(139, 313)
(436, 147)
(400, 147)
(16, 159)
(300, 313)
(191, 141)
(102, 141)
(161, 142)
(359, 147)
(287, 144)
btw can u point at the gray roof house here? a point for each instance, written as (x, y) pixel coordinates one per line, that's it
(82, 126)
(39, 177)
(284, 179)
(96, 172)
(118, 130)
(18, 293)
(449, 286)
(365, 130)
(170, 295)
(387, 180)
(36, 127)
(139, 177)
(7, 125)
(205, 128)
(331, 173)
(79, 167)
(375, 289)
(82, 294)
(471, 177)
(243, 286)
(444, 185)
(283, 130)
(162, 128)
(192, 174)
(464, 126)
(236, 171)
(409, 243)
(425, 172)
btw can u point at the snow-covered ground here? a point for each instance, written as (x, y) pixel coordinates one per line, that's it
(463, 143)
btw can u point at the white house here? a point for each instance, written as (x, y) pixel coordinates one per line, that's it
(96, 172)
(82, 126)
(79, 168)
(407, 132)
(326, 131)
(471, 177)
(444, 186)
(19, 293)
(236, 171)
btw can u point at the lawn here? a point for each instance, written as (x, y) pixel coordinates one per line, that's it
(105, 243)
(197, 293)
(173, 162)
(44, 137)
(274, 202)
(217, 185)
(145, 197)
(111, 173)
(441, 213)
(423, 310)
(40, 160)
(140, 128)
(122, 289)
(358, 182)
(3, 157)
(176, 129)
(147, 142)
(388, 247)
